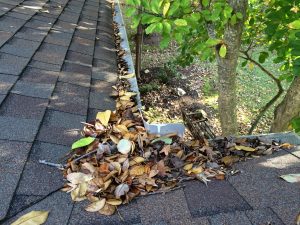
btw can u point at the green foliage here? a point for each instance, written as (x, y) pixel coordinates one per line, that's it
(185, 21)
(276, 24)
(296, 124)
(148, 87)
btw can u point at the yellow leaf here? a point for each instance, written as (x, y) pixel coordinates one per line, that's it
(188, 166)
(197, 170)
(229, 160)
(137, 171)
(32, 218)
(136, 160)
(131, 75)
(244, 148)
(251, 65)
(96, 206)
(121, 129)
(104, 117)
(114, 201)
(78, 194)
(166, 8)
(114, 139)
(107, 210)
(106, 185)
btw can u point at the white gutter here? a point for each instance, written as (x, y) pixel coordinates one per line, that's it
(160, 129)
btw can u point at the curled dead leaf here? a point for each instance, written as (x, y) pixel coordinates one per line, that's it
(121, 190)
(96, 206)
(107, 210)
(32, 218)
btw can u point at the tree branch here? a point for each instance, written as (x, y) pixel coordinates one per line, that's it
(263, 110)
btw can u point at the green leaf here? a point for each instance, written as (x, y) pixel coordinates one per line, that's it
(150, 29)
(239, 15)
(233, 20)
(205, 3)
(166, 140)
(130, 12)
(180, 22)
(244, 63)
(164, 42)
(147, 19)
(262, 57)
(212, 42)
(223, 51)
(166, 8)
(166, 27)
(294, 25)
(129, 2)
(82, 142)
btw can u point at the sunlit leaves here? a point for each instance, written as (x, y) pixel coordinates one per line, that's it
(180, 22)
(295, 24)
(33, 218)
(223, 51)
(82, 142)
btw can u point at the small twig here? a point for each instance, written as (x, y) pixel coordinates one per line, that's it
(85, 155)
(58, 166)
(121, 217)
(162, 192)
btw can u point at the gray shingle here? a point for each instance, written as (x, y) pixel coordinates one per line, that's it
(6, 62)
(49, 53)
(287, 211)
(69, 17)
(59, 204)
(6, 82)
(167, 207)
(70, 104)
(77, 58)
(47, 19)
(39, 25)
(39, 76)
(63, 120)
(60, 128)
(218, 197)
(25, 10)
(4, 36)
(234, 218)
(76, 74)
(44, 66)
(31, 34)
(20, 47)
(64, 26)
(71, 90)
(23, 107)
(21, 202)
(263, 216)
(17, 15)
(12, 160)
(128, 212)
(33, 89)
(2, 97)
(82, 45)
(254, 182)
(11, 24)
(87, 34)
(59, 38)
(101, 101)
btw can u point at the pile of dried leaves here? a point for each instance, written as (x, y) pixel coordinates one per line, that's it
(118, 160)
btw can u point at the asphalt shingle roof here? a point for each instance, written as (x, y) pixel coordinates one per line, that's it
(57, 66)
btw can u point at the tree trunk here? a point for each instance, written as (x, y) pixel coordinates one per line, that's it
(227, 70)
(138, 48)
(288, 109)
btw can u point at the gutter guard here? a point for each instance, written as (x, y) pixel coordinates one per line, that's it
(159, 129)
